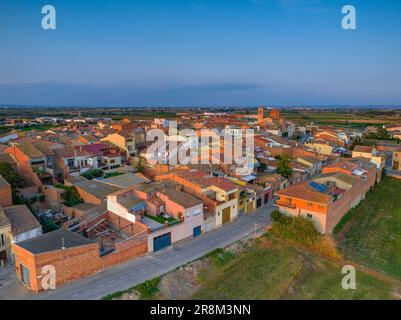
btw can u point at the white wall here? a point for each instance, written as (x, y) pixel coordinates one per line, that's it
(27, 235)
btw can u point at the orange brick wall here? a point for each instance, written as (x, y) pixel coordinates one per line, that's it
(87, 197)
(6, 198)
(24, 165)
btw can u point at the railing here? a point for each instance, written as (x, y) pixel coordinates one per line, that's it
(285, 204)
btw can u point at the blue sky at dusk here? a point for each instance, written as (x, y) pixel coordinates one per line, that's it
(199, 52)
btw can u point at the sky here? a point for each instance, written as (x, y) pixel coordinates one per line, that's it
(200, 53)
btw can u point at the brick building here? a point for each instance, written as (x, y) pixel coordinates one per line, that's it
(74, 256)
(327, 198)
(6, 198)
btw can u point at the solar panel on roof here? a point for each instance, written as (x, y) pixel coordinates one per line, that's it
(318, 187)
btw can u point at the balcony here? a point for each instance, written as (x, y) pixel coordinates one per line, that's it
(284, 204)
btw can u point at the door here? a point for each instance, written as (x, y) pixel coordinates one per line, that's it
(161, 242)
(25, 275)
(197, 231)
(396, 165)
(258, 203)
(266, 198)
(226, 215)
(3, 256)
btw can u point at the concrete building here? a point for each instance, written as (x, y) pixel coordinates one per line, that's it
(169, 214)
(24, 225)
(370, 153)
(396, 162)
(125, 140)
(5, 238)
(219, 195)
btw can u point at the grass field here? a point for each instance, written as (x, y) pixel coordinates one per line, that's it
(371, 233)
(277, 271)
(272, 269)
(344, 118)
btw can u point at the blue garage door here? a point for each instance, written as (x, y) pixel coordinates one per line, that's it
(162, 241)
(197, 231)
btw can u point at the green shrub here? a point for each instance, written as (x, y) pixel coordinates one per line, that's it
(276, 215)
(48, 225)
(302, 231)
(220, 257)
(94, 173)
(97, 173)
(148, 289)
(88, 175)
(71, 196)
(60, 186)
(112, 174)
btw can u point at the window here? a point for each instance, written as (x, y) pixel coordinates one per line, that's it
(36, 162)
(2, 240)
(231, 196)
(309, 216)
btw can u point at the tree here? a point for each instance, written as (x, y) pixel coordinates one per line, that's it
(357, 142)
(382, 134)
(10, 175)
(283, 166)
(262, 167)
(71, 196)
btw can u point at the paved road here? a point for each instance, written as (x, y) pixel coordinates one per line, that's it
(124, 276)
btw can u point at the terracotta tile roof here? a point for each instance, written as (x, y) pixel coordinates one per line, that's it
(22, 220)
(29, 150)
(95, 149)
(346, 165)
(367, 149)
(183, 199)
(88, 137)
(44, 148)
(203, 180)
(349, 179)
(3, 182)
(4, 222)
(304, 192)
(71, 152)
(312, 160)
